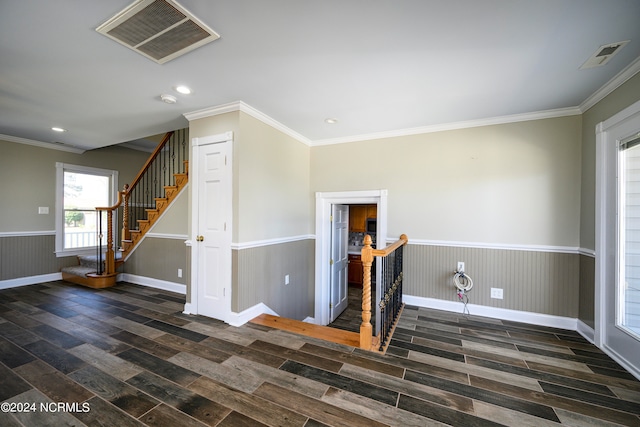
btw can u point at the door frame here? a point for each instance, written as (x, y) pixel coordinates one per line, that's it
(324, 201)
(191, 306)
(608, 133)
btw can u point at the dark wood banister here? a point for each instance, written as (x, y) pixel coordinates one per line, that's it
(123, 197)
(150, 160)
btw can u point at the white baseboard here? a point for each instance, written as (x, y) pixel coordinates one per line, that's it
(239, 319)
(153, 283)
(498, 313)
(310, 319)
(31, 280)
(586, 331)
(188, 308)
(633, 370)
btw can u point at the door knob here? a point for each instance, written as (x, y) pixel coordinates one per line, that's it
(200, 238)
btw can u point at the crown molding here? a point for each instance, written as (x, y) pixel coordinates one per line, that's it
(245, 108)
(40, 144)
(537, 115)
(617, 81)
(630, 71)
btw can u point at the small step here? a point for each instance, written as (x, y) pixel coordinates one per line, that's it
(152, 214)
(325, 333)
(161, 202)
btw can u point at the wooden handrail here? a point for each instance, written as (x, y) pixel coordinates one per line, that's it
(151, 159)
(367, 257)
(123, 198)
(114, 207)
(392, 247)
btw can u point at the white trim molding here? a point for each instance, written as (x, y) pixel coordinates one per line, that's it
(41, 144)
(150, 282)
(631, 70)
(504, 246)
(167, 236)
(587, 252)
(617, 81)
(31, 280)
(586, 331)
(269, 242)
(495, 312)
(27, 233)
(514, 118)
(245, 108)
(239, 319)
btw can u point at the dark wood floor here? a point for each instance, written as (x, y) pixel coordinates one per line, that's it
(127, 356)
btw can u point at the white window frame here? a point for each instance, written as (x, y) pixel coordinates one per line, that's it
(61, 168)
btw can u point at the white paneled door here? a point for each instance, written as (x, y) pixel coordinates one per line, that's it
(212, 231)
(339, 260)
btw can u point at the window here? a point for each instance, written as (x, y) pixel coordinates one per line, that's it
(80, 190)
(628, 313)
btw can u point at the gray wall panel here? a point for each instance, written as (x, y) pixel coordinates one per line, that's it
(159, 258)
(259, 274)
(587, 290)
(539, 282)
(26, 256)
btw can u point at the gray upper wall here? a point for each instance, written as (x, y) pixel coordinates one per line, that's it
(618, 100)
(28, 177)
(510, 184)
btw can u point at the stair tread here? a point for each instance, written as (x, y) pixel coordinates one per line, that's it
(78, 270)
(309, 329)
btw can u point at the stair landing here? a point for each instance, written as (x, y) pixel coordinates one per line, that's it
(309, 329)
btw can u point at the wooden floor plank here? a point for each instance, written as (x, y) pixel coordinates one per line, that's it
(309, 329)
(315, 409)
(249, 405)
(131, 347)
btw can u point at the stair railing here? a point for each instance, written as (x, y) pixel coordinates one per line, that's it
(168, 158)
(106, 261)
(390, 303)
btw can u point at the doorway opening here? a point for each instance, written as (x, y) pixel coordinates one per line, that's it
(325, 204)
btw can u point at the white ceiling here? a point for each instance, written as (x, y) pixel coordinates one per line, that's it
(377, 66)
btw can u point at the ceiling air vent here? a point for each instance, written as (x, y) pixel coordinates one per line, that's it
(603, 55)
(161, 30)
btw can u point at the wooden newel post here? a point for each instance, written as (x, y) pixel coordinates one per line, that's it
(110, 256)
(126, 235)
(365, 326)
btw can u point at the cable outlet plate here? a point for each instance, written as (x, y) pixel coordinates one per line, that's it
(496, 293)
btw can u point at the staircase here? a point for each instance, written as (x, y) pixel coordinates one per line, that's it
(132, 237)
(156, 186)
(85, 273)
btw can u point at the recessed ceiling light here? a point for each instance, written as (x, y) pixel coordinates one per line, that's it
(168, 99)
(58, 129)
(185, 90)
(331, 121)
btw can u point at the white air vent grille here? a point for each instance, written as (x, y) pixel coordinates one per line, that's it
(603, 54)
(161, 30)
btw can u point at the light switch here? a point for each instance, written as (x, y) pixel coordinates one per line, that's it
(43, 210)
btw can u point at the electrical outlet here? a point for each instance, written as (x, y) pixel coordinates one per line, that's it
(286, 279)
(179, 272)
(496, 293)
(460, 268)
